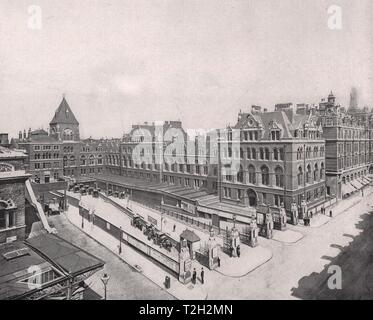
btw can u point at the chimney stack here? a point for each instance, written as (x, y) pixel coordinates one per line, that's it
(24, 133)
(20, 134)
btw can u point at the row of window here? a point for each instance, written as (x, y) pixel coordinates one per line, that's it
(311, 174)
(46, 147)
(309, 152)
(46, 155)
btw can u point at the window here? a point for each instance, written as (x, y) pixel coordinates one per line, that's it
(265, 175)
(252, 175)
(300, 176)
(91, 160)
(316, 172)
(275, 154)
(240, 175)
(248, 153)
(279, 200)
(279, 175)
(266, 153)
(308, 174)
(261, 153)
(253, 153)
(322, 171)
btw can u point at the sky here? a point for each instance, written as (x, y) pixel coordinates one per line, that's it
(122, 62)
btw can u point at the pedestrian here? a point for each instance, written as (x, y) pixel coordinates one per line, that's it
(202, 276)
(311, 214)
(238, 251)
(218, 262)
(304, 221)
(330, 213)
(174, 227)
(231, 251)
(194, 277)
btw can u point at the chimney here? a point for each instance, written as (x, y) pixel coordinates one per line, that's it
(20, 134)
(29, 133)
(24, 133)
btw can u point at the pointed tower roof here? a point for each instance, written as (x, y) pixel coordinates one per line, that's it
(64, 114)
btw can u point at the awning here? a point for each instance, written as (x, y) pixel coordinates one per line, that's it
(347, 188)
(356, 184)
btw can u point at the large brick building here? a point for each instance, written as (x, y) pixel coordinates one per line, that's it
(60, 153)
(348, 143)
(278, 156)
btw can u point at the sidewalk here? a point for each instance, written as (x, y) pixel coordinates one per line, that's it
(338, 208)
(138, 261)
(250, 259)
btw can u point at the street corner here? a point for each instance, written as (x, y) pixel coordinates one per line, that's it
(249, 260)
(287, 236)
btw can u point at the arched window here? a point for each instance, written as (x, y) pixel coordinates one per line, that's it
(279, 174)
(99, 160)
(300, 176)
(241, 153)
(322, 171)
(308, 174)
(248, 153)
(83, 160)
(265, 175)
(315, 152)
(91, 160)
(252, 175)
(266, 152)
(316, 173)
(72, 161)
(240, 175)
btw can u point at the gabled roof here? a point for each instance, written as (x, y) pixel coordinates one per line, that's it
(64, 114)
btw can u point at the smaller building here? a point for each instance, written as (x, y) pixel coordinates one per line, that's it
(44, 267)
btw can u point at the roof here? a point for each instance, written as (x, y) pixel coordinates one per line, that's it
(46, 251)
(189, 236)
(65, 255)
(64, 114)
(11, 153)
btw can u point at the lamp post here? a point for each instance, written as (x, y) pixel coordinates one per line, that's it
(105, 279)
(120, 241)
(82, 219)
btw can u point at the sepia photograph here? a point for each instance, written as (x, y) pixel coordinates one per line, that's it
(163, 151)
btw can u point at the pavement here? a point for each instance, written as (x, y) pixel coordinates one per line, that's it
(125, 283)
(250, 259)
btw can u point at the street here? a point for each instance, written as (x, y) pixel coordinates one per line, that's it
(297, 271)
(124, 284)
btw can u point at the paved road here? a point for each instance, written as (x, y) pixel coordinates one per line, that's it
(299, 271)
(125, 283)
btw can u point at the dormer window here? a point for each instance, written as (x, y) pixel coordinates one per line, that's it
(275, 135)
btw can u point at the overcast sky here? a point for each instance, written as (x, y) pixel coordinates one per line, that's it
(124, 62)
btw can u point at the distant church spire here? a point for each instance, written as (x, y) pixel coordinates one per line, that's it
(353, 100)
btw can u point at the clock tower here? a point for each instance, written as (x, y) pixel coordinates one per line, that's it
(64, 125)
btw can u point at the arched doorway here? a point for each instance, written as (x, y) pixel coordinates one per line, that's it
(252, 198)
